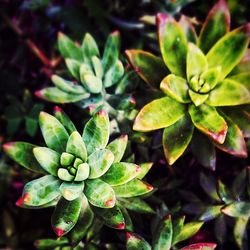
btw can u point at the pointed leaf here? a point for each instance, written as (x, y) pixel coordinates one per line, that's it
(71, 191)
(146, 64)
(84, 222)
(189, 230)
(228, 51)
(237, 209)
(76, 146)
(99, 193)
(40, 191)
(118, 147)
(234, 143)
(211, 212)
(121, 173)
(112, 217)
(177, 224)
(96, 132)
(229, 93)
(62, 117)
(111, 50)
(22, 153)
(209, 122)
(53, 94)
(176, 138)
(217, 24)
(173, 44)
(132, 188)
(67, 86)
(68, 48)
(135, 242)
(54, 133)
(145, 167)
(65, 215)
(114, 74)
(242, 78)
(158, 114)
(196, 98)
(51, 243)
(240, 231)
(163, 236)
(73, 67)
(89, 48)
(196, 61)
(48, 159)
(176, 88)
(100, 162)
(200, 246)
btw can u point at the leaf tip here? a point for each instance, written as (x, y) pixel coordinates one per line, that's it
(121, 226)
(57, 109)
(7, 146)
(38, 93)
(110, 203)
(58, 231)
(149, 187)
(129, 235)
(115, 33)
(102, 112)
(22, 200)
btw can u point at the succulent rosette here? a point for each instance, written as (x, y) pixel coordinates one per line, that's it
(93, 81)
(200, 77)
(83, 173)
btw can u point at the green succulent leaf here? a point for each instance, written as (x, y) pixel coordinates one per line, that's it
(71, 191)
(54, 133)
(99, 193)
(64, 175)
(145, 167)
(128, 221)
(211, 77)
(111, 50)
(188, 230)
(228, 51)
(234, 143)
(242, 78)
(53, 94)
(188, 29)
(67, 86)
(173, 44)
(146, 64)
(68, 48)
(97, 65)
(121, 173)
(229, 93)
(240, 229)
(137, 205)
(48, 159)
(196, 62)
(197, 98)
(176, 138)
(112, 217)
(51, 243)
(82, 172)
(135, 242)
(209, 122)
(39, 192)
(73, 67)
(114, 74)
(163, 236)
(63, 118)
(96, 132)
(177, 225)
(118, 147)
(158, 114)
(132, 188)
(211, 212)
(83, 224)
(22, 153)
(91, 82)
(241, 68)
(76, 146)
(217, 24)
(89, 48)
(100, 162)
(175, 87)
(65, 215)
(237, 209)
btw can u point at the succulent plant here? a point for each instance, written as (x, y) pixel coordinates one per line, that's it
(79, 170)
(98, 82)
(167, 234)
(199, 77)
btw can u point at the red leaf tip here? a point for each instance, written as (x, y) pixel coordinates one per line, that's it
(102, 112)
(121, 226)
(149, 187)
(38, 93)
(57, 109)
(129, 235)
(124, 136)
(132, 100)
(110, 202)
(115, 33)
(22, 200)
(7, 146)
(59, 232)
(161, 18)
